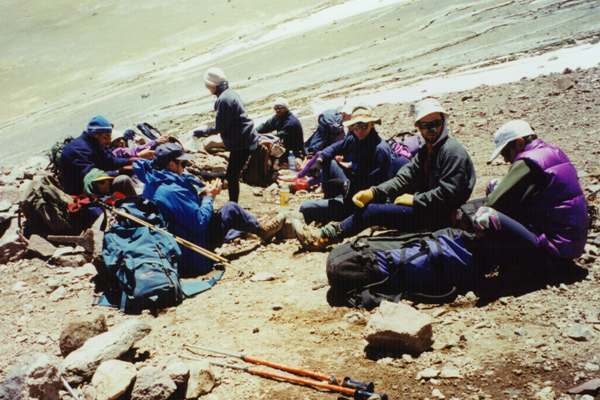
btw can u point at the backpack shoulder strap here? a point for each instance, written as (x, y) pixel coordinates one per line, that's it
(195, 286)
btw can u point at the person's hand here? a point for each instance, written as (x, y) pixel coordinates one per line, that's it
(146, 154)
(486, 218)
(162, 139)
(198, 133)
(213, 188)
(342, 163)
(405, 200)
(362, 198)
(316, 168)
(491, 186)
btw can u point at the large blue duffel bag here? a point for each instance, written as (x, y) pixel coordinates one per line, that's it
(431, 266)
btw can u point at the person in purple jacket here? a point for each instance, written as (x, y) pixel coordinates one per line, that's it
(119, 147)
(538, 211)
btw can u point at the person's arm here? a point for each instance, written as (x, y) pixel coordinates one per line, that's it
(403, 182)
(382, 162)
(519, 184)
(223, 120)
(329, 152)
(453, 181)
(175, 203)
(267, 126)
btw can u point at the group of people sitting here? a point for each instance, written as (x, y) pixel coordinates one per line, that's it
(536, 212)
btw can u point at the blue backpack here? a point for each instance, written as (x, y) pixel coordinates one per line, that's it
(427, 267)
(140, 263)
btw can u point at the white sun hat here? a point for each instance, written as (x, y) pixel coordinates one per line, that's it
(428, 106)
(517, 128)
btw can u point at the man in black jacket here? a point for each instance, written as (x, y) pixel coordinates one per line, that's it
(287, 126)
(232, 123)
(424, 194)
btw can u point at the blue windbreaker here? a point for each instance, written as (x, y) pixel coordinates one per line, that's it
(188, 215)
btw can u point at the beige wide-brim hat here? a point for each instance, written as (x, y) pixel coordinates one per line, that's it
(428, 106)
(362, 114)
(214, 76)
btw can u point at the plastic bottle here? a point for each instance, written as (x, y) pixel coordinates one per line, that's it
(291, 161)
(284, 195)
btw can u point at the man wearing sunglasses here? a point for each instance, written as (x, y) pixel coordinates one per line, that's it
(538, 211)
(424, 194)
(362, 159)
(187, 205)
(287, 126)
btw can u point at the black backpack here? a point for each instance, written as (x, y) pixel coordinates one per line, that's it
(427, 267)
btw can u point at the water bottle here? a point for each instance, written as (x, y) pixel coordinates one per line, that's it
(291, 161)
(284, 195)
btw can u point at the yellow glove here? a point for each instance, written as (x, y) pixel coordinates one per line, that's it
(404, 200)
(363, 198)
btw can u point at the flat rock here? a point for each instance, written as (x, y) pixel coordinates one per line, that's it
(580, 333)
(35, 377)
(69, 260)
(202, 379)
(40, 247)
(81, 364)
(58, 294)
(75, 333)
(398, 328)
(428, 373)
(112, 379)
(153, 384)
(263, 277)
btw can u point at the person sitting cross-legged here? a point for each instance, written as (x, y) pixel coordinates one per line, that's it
(537, 214)
(424, 194)
(187, 206)
(362, 159)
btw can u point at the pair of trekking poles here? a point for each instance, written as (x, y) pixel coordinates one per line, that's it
(298, 376)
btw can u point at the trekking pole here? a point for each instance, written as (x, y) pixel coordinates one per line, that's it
(192, 246)
(357, 394)
(331, 379)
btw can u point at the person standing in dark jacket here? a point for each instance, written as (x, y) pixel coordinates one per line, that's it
(232, 123)
(90, 150)
(287, 126)
(424, 194)
(355, 163)
(537, 213)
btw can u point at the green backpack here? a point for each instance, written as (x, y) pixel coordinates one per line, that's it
(45, 208)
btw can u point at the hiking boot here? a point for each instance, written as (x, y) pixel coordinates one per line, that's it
(310, 238)
(268, 229)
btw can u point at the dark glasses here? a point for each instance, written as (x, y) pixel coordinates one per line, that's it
(359, 126)
(436, 123)
(183, 163)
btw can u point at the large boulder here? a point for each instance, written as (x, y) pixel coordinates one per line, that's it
(153, 384)
(112, 379)
(202, 379)
(397, 328)
(35, 377)
(80, 365)
(75, 333)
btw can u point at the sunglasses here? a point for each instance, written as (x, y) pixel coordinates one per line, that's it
(428, 125)
(359, 126)
(183, 163)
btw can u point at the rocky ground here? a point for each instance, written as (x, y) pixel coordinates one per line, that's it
(519, 336)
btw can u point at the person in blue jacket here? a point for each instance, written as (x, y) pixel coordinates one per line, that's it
(188, 207)
(233, 124)
(90, 150)
(330, 129)
(287, 126)
(361, 160)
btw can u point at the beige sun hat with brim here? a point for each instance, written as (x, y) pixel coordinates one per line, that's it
(428, 106)
(362, 114)
(510, 131)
